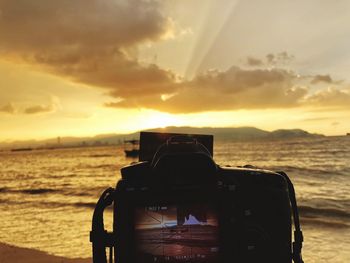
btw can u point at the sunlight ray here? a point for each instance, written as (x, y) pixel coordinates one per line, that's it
(210, 29)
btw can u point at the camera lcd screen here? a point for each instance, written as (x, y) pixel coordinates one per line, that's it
(177, 233)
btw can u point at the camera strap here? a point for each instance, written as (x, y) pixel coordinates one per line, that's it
(99, 237)
(297, 244)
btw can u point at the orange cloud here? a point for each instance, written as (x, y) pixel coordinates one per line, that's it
(235, 88)
(8, 108)
(331, 98)
(38, 109)
(322, 78)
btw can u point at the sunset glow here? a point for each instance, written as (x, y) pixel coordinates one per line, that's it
(100, 72)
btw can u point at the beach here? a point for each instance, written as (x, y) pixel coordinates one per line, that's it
(13, 254)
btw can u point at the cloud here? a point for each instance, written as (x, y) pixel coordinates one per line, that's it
(53, 105)
(330, 98)
(92, 23)
(271, 59)
(335, 123)
(8, 108)
(25, 107)
(322, 78)
(94, 42)
(235, 88)
(38, 109)
(251, 61)
(87, 41)
(279, 58)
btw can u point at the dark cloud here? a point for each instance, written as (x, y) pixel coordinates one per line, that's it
(41, 24)
(8, 108)
(38, 109)
(322, 78)
(87, 41)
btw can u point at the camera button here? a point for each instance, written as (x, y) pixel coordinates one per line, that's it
(248, 212)
(232, 187)
(250, 247)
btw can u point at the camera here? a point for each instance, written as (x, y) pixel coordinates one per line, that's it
(177, 205)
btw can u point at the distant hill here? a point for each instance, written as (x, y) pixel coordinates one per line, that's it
(220, 134)
(290, 133)
(241, 133)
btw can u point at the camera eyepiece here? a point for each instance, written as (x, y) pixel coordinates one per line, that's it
(183, 160)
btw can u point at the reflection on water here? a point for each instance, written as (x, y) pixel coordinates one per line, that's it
(47, 197)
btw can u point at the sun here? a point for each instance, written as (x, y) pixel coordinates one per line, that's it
(160, 120)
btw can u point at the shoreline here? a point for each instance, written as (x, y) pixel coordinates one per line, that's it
(13, 254)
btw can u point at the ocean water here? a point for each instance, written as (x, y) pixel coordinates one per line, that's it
(47, 196)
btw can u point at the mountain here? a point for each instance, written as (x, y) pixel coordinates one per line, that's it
(220, 134)
(240, 133)
(290, 133)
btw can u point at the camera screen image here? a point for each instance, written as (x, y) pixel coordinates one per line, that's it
(177, 233)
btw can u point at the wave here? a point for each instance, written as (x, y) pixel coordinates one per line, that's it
(308, 211)
(50, 204)
(85, 204)
(38, 191)
(64, 191)
(104, 166)
(309, 170)
(312, 171)
(101, 155)
(91, 166)
(324, 223)
(33, 191)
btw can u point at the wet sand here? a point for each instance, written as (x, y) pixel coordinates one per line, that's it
(12, 254)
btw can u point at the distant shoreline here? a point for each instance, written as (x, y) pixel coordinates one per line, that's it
(253, 139)
(220, 134)
(228, 133)
(13, 254)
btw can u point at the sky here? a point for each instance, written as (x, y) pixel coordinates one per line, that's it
(87, 67)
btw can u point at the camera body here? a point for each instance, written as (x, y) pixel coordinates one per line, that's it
(178, 205)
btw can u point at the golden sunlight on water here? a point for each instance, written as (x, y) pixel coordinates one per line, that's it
(47, 197)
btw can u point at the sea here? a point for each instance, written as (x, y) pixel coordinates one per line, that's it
(47, 196)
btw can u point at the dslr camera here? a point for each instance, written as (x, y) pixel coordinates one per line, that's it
(177, 205)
